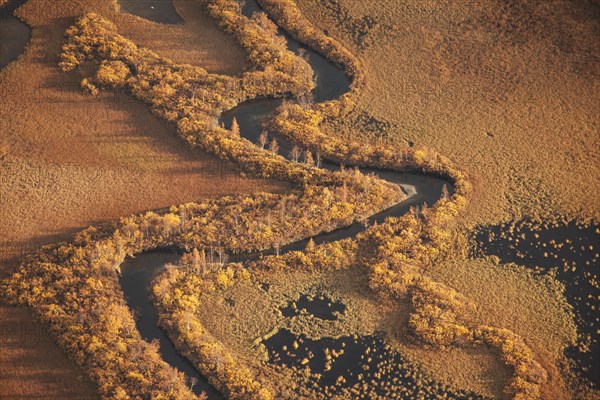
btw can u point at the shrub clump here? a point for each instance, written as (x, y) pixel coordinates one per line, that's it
(112, 73)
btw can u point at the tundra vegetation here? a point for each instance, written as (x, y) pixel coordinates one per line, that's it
(90, 159)
(478, 80)
(495, 59)
(73, 286)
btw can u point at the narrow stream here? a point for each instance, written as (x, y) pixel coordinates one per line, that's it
(14, 33)
(331, 82)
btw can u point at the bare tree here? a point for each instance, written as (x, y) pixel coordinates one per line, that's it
(302, 53)
(283, 212)
(445, 193)
(415, 212)
(193, 382)
(306, 99)
(344, 192)
(236, 224)
(196, 260)
(295, 153)
(424, 209)
(308, 158)
(235, 127)
(262, 139)
(274, 146)
(182, 218)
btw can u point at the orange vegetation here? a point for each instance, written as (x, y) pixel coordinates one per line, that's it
(79, 161)
(508, 89)
(73, 286)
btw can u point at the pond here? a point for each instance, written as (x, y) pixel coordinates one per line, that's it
(320, 306)
(365, 366)
(573, 251)
(14, 33)
(161, 11)
(331, 82)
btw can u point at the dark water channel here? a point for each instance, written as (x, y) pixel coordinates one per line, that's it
(14, 33)
(135, 282)
(331, 82)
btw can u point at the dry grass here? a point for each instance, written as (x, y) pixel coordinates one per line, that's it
(198, 42)
(68, 160)
(80, 160)
(529, 305)
(483, 93)
(31, 366)
(508, 89)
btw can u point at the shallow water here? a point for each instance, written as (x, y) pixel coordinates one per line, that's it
(358, 360)
(161, 11)
(574, 252)
(320, 306)
(331, 83)
(14, 34)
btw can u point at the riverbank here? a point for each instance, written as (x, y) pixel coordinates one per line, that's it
(396, 255)
(85, 161)
(109, 292)
(508, 90)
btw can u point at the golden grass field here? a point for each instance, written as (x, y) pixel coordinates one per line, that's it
(69, 160)
(511, 305)
(508, 89)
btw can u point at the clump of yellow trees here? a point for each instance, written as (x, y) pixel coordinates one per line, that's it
(73, 287)
(404, 245)
(177, 316)
(394, 255)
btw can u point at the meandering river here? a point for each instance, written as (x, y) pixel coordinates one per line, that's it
(331, 82)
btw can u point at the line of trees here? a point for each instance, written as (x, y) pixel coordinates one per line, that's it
(73, 287)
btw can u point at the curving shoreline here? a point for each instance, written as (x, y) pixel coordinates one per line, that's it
(14, 32)
(128, 237)
(138, 273)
